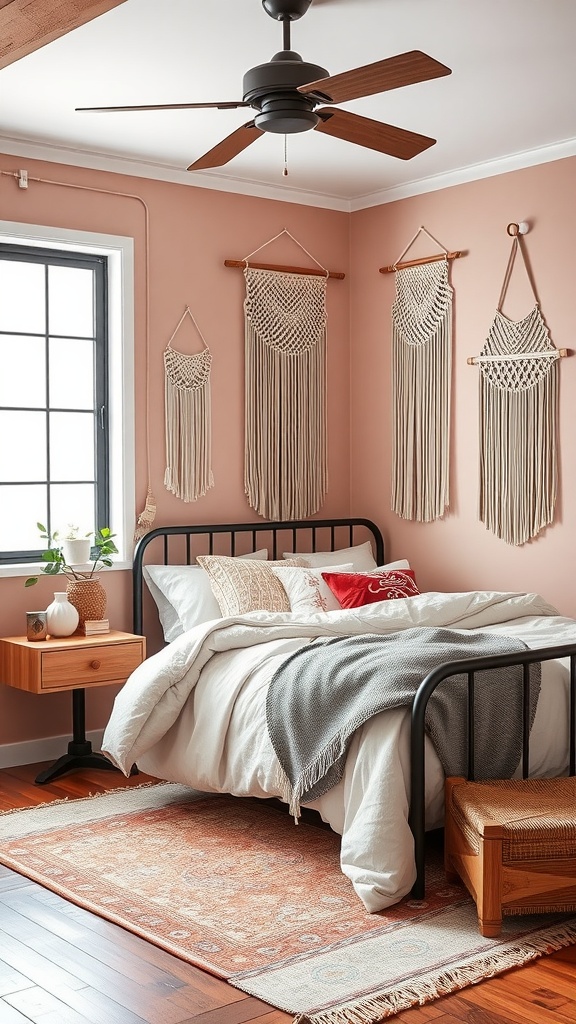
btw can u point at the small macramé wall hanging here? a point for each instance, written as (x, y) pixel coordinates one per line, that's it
(421, 382)
(285, 457)
(188, 419)
(518, 417)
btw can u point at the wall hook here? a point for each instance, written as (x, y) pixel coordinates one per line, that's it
(518, 229)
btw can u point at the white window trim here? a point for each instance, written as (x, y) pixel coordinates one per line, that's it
(120, 252)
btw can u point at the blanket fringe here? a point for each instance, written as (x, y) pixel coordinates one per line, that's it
(286, 791)
(386, 1004)
(293, 794)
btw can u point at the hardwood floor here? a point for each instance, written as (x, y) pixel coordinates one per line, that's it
(60, 964)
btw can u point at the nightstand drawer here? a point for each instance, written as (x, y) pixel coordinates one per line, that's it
(84, 666)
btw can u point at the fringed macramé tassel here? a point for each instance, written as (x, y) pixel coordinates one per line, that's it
(421, 381)
(518, 425)
(285, 394)
(147, 516)
(188, 431)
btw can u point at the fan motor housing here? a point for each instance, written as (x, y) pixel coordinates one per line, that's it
(272, 89)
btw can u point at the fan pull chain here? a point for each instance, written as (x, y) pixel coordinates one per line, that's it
(285, 171)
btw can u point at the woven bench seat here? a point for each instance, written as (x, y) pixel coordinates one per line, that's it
(513, 844)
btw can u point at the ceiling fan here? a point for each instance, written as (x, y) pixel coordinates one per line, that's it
(287, 94)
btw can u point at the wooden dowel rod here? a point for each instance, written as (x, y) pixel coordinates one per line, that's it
(424, 259)
(559, 353)
(286, 270)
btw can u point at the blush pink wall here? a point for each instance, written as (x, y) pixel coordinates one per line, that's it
(192, 232)
(458, 553)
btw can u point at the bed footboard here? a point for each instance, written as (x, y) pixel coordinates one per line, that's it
(470, 667)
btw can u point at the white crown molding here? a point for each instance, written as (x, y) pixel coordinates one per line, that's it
(159, 172)
(502, 165)
(222, 183)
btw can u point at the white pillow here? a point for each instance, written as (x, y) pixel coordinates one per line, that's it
(360, 558)
(402, 563)
(306, 590)
(183, 595)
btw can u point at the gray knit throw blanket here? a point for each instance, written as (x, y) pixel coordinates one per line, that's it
(322, 693)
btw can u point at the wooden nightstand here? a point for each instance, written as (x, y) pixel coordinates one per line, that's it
(71, 663)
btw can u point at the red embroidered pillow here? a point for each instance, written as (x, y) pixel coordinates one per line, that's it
(354, 589)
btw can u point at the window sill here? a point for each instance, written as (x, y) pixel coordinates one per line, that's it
(29, 569)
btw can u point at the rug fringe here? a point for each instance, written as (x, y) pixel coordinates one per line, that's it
(77, 800)
(386, 1004)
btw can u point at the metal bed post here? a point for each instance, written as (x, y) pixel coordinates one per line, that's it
(417, 815)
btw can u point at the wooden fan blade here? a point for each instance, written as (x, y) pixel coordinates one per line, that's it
(167, 106)
(363, 131)
(228, 148)
(392, 73)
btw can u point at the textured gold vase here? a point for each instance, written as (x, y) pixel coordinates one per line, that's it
(88, 597)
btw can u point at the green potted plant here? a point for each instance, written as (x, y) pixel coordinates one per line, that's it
(84, 589)
(57, 556)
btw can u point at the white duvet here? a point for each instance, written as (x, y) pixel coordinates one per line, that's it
(195, 713)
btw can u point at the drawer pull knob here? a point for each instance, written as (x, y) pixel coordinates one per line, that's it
(95, 663)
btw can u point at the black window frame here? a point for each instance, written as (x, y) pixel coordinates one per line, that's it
(47, 257)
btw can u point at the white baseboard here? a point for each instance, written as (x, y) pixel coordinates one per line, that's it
(48, 749)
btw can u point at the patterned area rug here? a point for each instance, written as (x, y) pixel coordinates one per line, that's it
(235, 887)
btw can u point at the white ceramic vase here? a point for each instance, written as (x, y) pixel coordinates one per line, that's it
(62, 617)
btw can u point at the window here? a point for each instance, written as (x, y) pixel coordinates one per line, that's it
(66, 383)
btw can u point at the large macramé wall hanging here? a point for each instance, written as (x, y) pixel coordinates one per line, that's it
(188, 419)
(421, 382)
(285, 461)
(518, 418)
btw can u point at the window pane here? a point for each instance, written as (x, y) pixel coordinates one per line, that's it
(73, 505)
(71, 373)
(24, 456)
(70, 301)
(53, 366)
(71, 446)
(22, 380)
(20, 509)
(22, 297)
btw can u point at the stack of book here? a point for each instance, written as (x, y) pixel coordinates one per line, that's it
(92, 626)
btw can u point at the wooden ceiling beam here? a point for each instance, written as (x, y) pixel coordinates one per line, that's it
(27, 25)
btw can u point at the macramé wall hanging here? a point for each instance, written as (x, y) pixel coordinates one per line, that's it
(188, 419)
(421, 380)
(518, 418)
(285, 459)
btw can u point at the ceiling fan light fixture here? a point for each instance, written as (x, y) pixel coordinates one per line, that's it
(284, 114)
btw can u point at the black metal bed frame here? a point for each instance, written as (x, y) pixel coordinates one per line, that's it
(469, 667)
(350, 527)
(311, 529)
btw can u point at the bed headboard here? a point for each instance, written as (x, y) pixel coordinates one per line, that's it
(296, 535)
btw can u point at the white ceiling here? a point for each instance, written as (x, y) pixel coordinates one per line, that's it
(509, 102)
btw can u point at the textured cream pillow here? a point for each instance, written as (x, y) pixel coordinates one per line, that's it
(242, 586)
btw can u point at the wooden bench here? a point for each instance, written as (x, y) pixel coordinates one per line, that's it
(513, 844)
